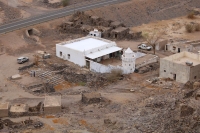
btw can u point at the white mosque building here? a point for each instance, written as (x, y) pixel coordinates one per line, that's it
(128, 61)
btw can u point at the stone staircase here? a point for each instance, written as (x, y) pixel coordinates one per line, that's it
(50, 77)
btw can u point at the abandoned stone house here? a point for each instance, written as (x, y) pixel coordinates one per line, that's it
(183, 46)
(120, 32)
(81, 51)
(181, 67)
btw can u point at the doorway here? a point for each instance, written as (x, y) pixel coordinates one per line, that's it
(87, 64)
(115, 35)
(179, 50)
(174, 76)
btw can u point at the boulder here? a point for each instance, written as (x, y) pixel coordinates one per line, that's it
(90, 98)
(16, 76)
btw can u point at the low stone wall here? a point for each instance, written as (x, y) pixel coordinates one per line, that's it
(149, 61)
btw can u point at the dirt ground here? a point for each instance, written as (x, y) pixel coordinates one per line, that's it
(129, 105)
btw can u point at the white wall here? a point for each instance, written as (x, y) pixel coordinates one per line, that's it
(139, 54)
(100, 68)
(75, 56)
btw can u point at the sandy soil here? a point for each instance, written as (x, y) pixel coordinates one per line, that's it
(175, 28)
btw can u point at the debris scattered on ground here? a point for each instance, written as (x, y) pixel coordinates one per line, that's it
(81, 23)
(148, 68)
(90, 98)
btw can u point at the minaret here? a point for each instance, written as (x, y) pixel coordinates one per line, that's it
(128, 60)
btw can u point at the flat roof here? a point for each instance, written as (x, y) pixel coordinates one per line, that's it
(184, 59)
(52, 101)
(103, 52)
(86, 43)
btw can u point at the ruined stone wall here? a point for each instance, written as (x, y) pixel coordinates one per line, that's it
(3, 113)
(52, 110)
(81, 23)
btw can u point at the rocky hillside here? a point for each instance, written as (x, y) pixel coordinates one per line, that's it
(137, 12)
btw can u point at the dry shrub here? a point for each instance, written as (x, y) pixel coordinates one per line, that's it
(114, 75)
(189, 28)
(191, 15)
(197, 27)
(36, 60)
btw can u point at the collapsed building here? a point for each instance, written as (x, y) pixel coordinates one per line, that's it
(177, 47)
(81, 23)
(181, 67)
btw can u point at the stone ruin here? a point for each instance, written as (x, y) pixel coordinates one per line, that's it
(17, 110)
(81, 23)
(90, 98)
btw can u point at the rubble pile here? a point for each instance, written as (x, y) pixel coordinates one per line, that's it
(136, 13)
(57, 66)
(165, 113)
(148, 68)
(36, 108)
(40, 88)
(10, 13)
(89, 79)
(81, 23)
(11, 126)
(90, 98)
(77, 75)
(164, 83)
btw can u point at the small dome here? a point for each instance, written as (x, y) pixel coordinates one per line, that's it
(128, 50)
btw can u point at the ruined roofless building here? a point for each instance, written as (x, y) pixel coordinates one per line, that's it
(181, 67)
